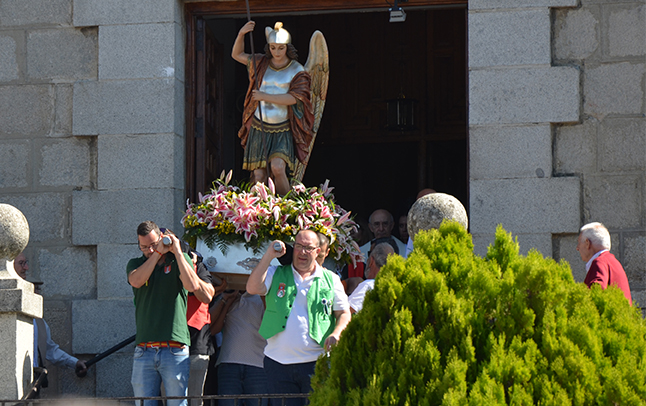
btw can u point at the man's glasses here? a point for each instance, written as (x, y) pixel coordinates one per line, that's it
(301, 247)
(148, 247)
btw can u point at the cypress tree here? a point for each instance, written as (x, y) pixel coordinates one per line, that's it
(446, 327)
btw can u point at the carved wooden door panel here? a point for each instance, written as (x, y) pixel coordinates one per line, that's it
(208, 110)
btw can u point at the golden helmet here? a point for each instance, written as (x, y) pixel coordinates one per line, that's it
(278, 35)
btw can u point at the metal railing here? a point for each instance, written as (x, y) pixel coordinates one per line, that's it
(35, 385)
(209, 400)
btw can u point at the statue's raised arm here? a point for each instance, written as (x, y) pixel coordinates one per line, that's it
(318, 66)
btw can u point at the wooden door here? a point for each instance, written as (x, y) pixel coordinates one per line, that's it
(204, 136)
(371, 60)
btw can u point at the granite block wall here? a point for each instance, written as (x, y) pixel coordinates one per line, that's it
(606, 148)
(516, 96)
(577, 110)
(87, 87)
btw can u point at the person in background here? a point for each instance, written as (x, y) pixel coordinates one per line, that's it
(324, 245)
(602, 267)
(377, 259)
(238, 315)
(21, 265)
(44, 347)
(361, 235)
(381, 224)
(199, 326)
(402, 227)
(211, 381)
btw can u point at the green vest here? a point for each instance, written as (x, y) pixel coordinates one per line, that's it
(280, 299)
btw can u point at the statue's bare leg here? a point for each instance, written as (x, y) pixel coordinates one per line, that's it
(278, 170)
(260, 175)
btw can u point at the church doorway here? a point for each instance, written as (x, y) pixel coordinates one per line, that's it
(371, 61)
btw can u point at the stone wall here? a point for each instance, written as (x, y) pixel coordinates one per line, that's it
(92, 143)
(557, 125)
(606, 149)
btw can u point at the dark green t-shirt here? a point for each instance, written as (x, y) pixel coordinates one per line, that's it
(160, 304)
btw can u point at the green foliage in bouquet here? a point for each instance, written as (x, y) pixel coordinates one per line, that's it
(446, 327)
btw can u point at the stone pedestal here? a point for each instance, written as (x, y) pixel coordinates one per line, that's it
(18, 306)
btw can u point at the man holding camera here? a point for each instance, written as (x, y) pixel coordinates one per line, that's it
(161, 279)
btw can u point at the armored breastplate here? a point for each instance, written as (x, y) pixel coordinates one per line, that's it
(277, 82)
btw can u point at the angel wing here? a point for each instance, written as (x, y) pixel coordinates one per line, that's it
(318, 66)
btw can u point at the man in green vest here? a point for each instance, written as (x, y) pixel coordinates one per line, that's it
(307, 309)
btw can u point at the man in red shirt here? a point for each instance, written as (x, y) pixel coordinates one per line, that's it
(602, 267)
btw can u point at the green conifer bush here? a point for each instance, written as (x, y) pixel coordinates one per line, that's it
(446, 327)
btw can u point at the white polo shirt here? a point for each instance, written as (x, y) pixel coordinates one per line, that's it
(359, 294)
(294, 344)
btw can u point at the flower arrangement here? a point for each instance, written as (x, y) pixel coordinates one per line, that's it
(255, 215)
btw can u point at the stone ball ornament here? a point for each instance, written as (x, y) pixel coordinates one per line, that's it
(14, 231)
(429, 211)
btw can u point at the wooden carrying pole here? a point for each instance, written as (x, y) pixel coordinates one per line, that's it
(255, 69)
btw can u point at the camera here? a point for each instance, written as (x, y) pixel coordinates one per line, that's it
(166, 240)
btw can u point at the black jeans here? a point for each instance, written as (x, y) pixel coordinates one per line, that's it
(289, 378)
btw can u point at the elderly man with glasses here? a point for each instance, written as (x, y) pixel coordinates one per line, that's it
(307, 309)
(161, 279)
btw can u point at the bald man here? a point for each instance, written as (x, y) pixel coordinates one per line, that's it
(424, 192)
(381, 224)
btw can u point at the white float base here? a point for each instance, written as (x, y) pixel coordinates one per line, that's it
(235, 267)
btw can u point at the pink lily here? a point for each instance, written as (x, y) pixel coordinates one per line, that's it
(272, 187)
(261, 189)
(325, 188)
(343, 218)
(249, 234)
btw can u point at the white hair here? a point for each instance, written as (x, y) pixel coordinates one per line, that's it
(380, 253)
(597, 234)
